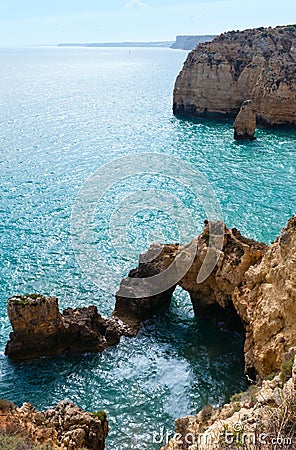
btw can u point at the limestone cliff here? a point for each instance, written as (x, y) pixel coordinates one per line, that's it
(213, 297)
(262, 418)
(245, 122)
(251, 287)
(266, 302)
(39, 329)
(64, 427)
(257, 64)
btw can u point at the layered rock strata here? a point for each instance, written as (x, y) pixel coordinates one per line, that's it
(63, 427)
(257, 64)
(39, 329)
(266, 302)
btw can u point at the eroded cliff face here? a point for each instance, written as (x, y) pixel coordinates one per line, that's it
(39, 329)
(250, 287)
(266, 302)
(257, 64)
(64, 427)
(262, 418)
(256, 284)
(213, 297)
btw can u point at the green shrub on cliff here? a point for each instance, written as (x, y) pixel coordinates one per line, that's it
(18, 442)
(286, 370)
(102, 415)
(20, 302)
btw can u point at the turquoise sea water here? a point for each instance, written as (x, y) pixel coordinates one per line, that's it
(63, 114)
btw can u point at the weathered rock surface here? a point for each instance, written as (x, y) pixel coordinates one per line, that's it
(257, 64)
(251, 288)
(263, 418)
(266, 302)
(245, 122)
(134, 304)
(63, 427)
(39, 329)
(213, 297)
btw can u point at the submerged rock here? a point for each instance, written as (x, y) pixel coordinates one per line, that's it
(245, 122)
(63, 427)
(257, 64)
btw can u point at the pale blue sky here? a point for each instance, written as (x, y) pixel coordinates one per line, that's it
(26, 22)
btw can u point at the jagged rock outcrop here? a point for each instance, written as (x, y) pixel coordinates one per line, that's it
(134, 304)
(39, 329)
(257, 64)
(249, 286)
(245, 122)
(64, 427)
(262, 418)
(266, 302)
(213, 297)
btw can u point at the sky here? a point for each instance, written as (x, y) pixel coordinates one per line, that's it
(49, 22)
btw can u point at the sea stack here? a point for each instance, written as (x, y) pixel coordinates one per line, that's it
(245, 122)
(39, 329)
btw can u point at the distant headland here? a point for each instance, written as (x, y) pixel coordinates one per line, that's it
(181, 43)
(190, 42)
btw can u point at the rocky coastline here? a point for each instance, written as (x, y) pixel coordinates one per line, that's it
(251, 288)
(264, 417)
(39, 329)
(63, 427)
(256, 64)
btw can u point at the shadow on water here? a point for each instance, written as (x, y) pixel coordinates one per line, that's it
(209, 122)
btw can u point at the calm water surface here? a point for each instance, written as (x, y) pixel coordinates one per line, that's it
(63, 114)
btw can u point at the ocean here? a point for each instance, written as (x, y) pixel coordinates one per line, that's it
(67, 113)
